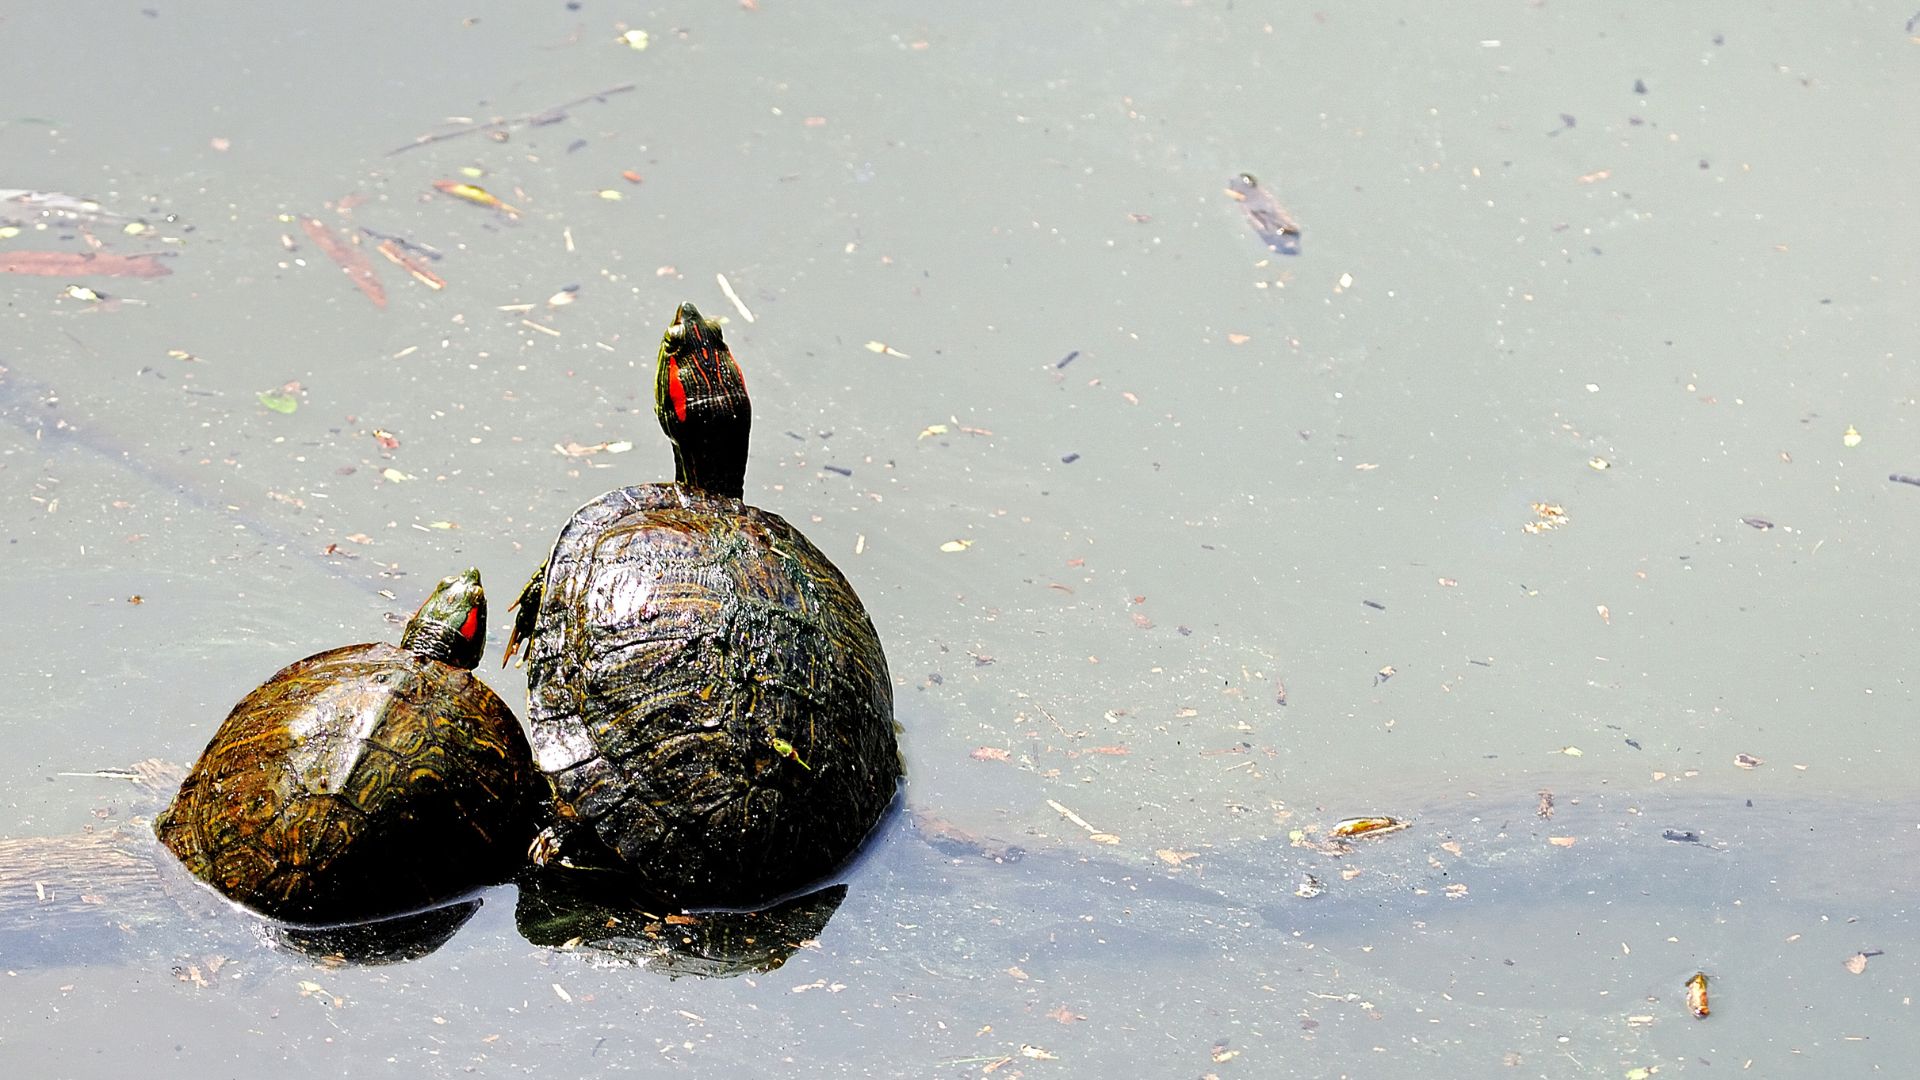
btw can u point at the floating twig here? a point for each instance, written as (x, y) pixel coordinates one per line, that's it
(544, 116)
(350, 258)
(739, 305)
(82, 264)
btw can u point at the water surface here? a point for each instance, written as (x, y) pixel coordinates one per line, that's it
(1001, 298)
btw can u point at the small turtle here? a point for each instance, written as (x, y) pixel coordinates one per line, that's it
(366, 781)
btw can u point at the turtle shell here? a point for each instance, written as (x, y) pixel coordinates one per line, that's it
(358, 783)
(709, 696)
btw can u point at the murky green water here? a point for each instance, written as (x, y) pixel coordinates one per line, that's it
(1516, 263)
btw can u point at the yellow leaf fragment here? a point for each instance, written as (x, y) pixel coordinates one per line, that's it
(1697, 995)
(1851, 439)
(393, 475)
(1372, 825)
(1856, 963)
(952, 546)
(886, 350)
(478, 196)
(636, 40)
(1563, 841)
(1571, 751)
(1547, 517)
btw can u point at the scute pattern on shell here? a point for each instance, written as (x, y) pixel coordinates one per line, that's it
(357, 783)
(691, 653)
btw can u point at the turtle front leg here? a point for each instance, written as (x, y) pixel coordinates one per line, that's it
(527, 614)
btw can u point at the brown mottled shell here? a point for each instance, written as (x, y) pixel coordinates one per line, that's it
(708, 694)
(357, 783)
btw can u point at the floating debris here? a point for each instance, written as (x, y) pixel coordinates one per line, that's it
(1375, 825)
(476, 195)
(1269, 219)
(82, 264)
(349, 257)
(1547, 517)
(551, 115)
(1697, 995)
(733, 297)
(1093, 834)
(412, 266)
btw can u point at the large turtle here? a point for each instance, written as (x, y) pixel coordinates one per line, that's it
(707, 697)
(366, 781)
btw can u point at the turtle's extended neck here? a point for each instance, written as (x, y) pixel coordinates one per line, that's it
(700, 397)
(451, 626)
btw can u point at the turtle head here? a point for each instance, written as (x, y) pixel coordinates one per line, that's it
(451, 626)
(701, 400)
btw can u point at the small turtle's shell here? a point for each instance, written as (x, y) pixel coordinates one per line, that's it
(357, 783)
(709, 695)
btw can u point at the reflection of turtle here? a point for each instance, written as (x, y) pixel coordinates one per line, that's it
(365, 781)
(707, 696)
(559, 912)
(94, 897)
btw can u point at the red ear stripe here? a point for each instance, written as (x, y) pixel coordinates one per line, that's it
(473, 623)
(676, 391)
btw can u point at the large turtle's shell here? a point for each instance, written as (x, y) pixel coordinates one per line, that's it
(708, 694)
(357, 783)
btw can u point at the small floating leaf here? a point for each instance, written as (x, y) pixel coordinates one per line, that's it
(279, 402)
(952, 546)
(1374, 825)
(1697, 995)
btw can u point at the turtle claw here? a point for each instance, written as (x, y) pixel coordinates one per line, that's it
(545, 849)
(526, 613)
